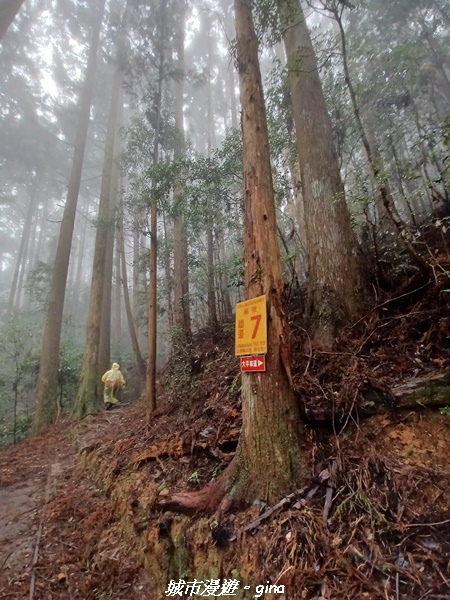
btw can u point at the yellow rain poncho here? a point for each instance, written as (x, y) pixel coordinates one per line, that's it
(113, 380)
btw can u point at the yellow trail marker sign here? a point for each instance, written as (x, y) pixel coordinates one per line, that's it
(251, 327)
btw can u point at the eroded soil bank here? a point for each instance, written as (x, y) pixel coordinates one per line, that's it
(82, 504)
(372, 521)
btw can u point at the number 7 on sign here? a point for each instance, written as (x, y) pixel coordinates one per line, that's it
(251, 327)
(256, 318)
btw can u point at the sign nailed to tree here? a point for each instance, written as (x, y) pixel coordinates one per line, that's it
(251, 327)
(253, 363)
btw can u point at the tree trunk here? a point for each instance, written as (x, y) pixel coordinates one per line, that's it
(105, 329)
(117, 312)
(227, 308)
(43, 217)
(268, 460)
(444, 15)
(88, 399)
(401, 187)
(335, 286)
(212, 306)
(136, 275)
(228, 28)
(182, 317)
(372, 153)
(380, 183)
(47, 385)
(76, 290)
(150, 385)
(168, 274)
(21, 257)
(437, 62)
(234, 118)
(140, 363)
(402, 231)
(8, 12)
(30, 254)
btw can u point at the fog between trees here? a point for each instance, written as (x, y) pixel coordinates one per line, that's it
(120, 132)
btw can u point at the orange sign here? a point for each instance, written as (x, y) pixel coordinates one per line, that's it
(251, 327)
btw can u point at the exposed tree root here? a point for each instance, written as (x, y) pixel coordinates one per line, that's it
(219, 496)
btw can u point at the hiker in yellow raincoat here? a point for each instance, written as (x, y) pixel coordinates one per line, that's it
(113, 380)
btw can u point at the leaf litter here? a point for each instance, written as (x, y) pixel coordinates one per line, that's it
(372, 521)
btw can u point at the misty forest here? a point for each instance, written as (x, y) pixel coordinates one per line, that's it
(167, 168)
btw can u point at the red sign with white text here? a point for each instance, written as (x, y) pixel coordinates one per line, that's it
(253, 363)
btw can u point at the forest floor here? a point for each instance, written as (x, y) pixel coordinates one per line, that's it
(80, 503)
(53, 520)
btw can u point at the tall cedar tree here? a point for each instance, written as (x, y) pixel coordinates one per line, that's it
(373, 155)
(150, 383)
(88, 398)
(47, 385)
(212, 305)
(140, 362)
(106, 329)
(268, 460)
(22, 255)
(334, 272)
(180, 247)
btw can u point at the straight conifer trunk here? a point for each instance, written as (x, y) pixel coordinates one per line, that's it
(334, 274)
(384, 201)
(88, 399)
(104, 358)
(212, 305)
(42, 227)
(150, 384)
(75, 300)
(226, 300)
(268, 459)
(268, 453)
(140, 363)
(14, 293)
(47, 385)
(116, 333)
(374, 158)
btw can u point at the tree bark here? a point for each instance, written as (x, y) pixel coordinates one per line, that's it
(43, 217)
(182, 317)
(437, 61)
(140, 363)
(269, 447)
(335, 285)
(234, 118)
(105, 328)
(47, 385)
(76, 290)
(88, 399)
(150, 384)
(379, 176)
(212, 306)
(268, 460)
(30, 254)
(135, 270)
(117, 312)
(226, 301)
(168, 273)
(21, 257)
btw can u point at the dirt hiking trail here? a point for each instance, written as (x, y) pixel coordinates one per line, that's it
(38, 477)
